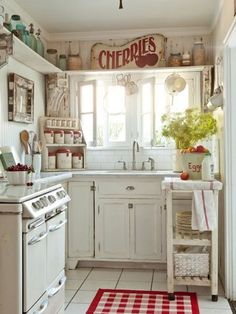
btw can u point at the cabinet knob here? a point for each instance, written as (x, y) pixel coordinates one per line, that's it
(130, 205)
(130, 188)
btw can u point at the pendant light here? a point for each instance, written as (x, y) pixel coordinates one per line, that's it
(121, 5)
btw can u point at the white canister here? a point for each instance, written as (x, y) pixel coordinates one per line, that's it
(78, 137)
(207, 168)
(64, 159)
(51, 160)
(59, 136)
(69, 137)
(49, 136)
(37, 161)
(77, 160)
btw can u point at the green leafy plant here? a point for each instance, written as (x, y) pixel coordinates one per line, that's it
(188, 127)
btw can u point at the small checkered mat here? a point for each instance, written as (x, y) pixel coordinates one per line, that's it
(111, 301)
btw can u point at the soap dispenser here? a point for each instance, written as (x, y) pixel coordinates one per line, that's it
(32, 39)
(40, 46)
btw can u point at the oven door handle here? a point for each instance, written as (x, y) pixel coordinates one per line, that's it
(53, 228)
(54, 291)
(36, 239)
(42, 307)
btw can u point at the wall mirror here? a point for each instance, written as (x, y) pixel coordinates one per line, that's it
(20, 99)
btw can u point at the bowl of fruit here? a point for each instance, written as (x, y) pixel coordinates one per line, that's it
(18, 174)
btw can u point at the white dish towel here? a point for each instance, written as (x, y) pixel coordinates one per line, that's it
(203, 210)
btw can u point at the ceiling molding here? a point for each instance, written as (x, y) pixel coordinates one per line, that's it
(12, 7)
(126, 34)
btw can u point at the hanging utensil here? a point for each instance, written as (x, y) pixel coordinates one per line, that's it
(24, 137)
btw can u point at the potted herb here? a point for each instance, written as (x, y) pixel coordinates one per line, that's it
(188, 127)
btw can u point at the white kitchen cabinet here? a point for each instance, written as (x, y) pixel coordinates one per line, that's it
(112, 229)
(80, 222)
(129, 219)
(146, 229)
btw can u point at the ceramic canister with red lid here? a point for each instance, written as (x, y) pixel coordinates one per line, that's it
(51, 160)
(49, 136)
(77, 160)
(64, 158)
(69, 137)
(59, 136)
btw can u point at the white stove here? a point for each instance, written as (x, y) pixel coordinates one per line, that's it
(32, 248)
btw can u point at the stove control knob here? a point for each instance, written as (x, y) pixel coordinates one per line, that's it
(40, 204)
(51, 199)
(59, 194)
(35, 205)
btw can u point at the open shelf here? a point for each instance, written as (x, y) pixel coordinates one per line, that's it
(193, 281)
(25, 55)
(65, 145)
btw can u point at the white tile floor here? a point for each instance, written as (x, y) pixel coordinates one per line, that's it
(83, 283)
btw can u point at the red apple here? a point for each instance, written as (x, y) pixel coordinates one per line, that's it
(200, 149)
(184, 175)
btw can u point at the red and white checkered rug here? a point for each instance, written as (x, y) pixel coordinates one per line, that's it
(142, 302)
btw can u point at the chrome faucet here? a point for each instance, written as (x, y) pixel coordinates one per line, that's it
(135, 145)
(152, 163)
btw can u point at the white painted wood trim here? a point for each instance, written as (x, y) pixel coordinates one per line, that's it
(230, 169)
(130, 33)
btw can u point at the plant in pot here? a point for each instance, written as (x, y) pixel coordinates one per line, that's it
(186, 129)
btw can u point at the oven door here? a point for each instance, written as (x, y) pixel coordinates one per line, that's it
(55, 246)
(34, 246)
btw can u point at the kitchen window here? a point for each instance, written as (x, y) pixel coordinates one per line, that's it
(111, 117)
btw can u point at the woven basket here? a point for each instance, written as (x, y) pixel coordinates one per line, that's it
(191, 264)
(183, 223)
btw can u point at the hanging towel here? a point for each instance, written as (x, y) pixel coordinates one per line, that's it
(203, 210)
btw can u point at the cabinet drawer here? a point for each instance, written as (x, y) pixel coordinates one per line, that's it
(130, 187)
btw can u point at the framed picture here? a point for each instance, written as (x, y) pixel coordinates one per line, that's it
(20, 99)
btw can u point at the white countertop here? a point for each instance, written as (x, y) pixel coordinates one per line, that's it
(124, 173)
(20, 193)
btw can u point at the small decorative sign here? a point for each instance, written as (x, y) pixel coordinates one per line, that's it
(20, 99)
(146, 51)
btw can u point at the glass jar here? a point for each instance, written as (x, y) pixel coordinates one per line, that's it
(186, 58)
(59, 137)
(51, 160)
(15, 19)
(77, 160)
(62, 62)
(49, 136)
(69, 137)
(32, 39)
(64, 159)
(175, 60)
(199, 53)
(52, 56)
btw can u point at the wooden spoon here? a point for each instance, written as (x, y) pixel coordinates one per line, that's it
(24, 137)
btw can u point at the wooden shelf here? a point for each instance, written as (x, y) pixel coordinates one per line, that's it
(192, 242)
(61, 170)
(25, 55)
(193, 281)
(65, 145)
(192, 68)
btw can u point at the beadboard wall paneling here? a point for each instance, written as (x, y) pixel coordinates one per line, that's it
(9, 131)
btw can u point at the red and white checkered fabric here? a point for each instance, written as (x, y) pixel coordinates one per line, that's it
(142, 302)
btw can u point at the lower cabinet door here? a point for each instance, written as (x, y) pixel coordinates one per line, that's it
(112, 229)
(146, 229)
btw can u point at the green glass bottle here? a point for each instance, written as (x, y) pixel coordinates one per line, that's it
(32, 39)
(40, 46)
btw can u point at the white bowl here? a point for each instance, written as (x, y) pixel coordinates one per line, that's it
(17, 177)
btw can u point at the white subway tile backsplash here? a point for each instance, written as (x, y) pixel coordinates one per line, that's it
(108, 159)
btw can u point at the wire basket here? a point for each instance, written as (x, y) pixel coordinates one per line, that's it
(191, 264)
